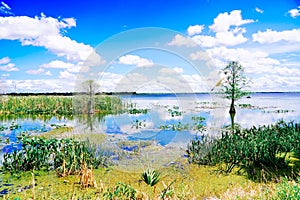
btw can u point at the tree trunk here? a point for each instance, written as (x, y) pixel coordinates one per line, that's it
(232, 113)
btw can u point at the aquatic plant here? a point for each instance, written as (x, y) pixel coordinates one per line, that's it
(175, 112)
(261, 152)
(65, 156)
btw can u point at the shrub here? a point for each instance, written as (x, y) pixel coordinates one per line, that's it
(260, 152)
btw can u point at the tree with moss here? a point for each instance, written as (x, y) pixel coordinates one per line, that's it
(234, 85)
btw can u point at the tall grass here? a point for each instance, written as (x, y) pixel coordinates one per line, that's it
(54, 105)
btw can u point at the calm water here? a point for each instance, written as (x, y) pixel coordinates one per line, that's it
(170, 111)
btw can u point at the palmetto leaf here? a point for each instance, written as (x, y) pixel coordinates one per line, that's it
(151, 177)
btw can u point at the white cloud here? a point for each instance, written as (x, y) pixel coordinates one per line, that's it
(180, 40)
(39, 71)
(6, 66)
(57, 64)
(41, 85)
(5, 75)
(270, 36)
(196, 29)
(200, 55)
(67, 75)
(46, 32)
(224, 21)
(274, 82)
(226, 28)
(259, 10)
(295, 12)
(179, 70)
(4, 60)
(5, 9)
(222, 38)
(255, 62)
(135, 60)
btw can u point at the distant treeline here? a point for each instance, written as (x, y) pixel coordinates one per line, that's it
(62, 93)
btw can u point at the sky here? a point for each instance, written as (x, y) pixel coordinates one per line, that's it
(48, 46)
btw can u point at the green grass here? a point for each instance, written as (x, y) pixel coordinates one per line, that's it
(190, 182)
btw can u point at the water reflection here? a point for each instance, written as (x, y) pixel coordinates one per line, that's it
(162, 110)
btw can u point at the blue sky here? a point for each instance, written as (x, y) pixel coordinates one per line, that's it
(46, 45)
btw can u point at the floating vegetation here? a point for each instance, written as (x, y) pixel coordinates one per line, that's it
(244, 105)
(277, 111)
(11, 127)
(197, 125)
(175, 112)
(137, 111)
(138, 124)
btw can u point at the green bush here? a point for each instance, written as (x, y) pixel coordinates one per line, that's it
(63, 155)
(259, 152)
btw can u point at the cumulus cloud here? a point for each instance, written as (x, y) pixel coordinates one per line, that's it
(294, 12)
(180, 40)
(58, 64)
(135, 60)
(226, 29)
(270, 36)
(179, 70)
(39, 71)
(6, 66)
(224, 21)
(229, 38)
(200, 55)
(46, 32)
(196, 29)
(67, 75)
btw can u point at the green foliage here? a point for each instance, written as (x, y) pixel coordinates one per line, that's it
(260, 152)
(121, 191)
(288, 190)
(151, 177)
(63, 155)
(235, 82)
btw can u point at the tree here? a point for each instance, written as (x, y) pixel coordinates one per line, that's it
(85, 100)
(234, 86)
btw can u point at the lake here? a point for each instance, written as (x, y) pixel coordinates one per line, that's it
(161, 125)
